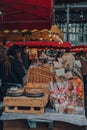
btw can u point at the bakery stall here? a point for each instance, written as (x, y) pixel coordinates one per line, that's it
(41, 103)
(32, 107)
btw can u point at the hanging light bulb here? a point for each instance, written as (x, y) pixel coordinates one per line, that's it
(0, 12)
(41, 38)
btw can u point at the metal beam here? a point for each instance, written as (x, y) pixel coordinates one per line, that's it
(57, 7)
(25, 21)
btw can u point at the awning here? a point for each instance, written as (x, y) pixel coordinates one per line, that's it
(21, 14)
(41, 44)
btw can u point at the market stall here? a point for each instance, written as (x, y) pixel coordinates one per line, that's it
(39, 77)
(46, 100)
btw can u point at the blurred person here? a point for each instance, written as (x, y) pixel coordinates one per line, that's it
(44, 57)
(59, 56)
(25, 57)
(68, 60)
(77, 66)
(3, 52)
(83, 60)
(77, 61)
(12, 69)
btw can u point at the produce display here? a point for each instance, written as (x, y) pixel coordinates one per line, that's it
(67, 94)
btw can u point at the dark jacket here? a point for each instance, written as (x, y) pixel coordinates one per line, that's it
(25, 60)
(83, 61)
(15, 76)
(16, 73)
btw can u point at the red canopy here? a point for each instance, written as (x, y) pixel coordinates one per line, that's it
(42, 44)
(78, 48)
(30, 14)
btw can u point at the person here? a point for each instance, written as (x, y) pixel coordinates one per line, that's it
(12, 69)
(77, 61)
(25, 58)
(68, 60)
(44, 57)
(77, 66)
(2, 55)
(59, 55)
(83, 59)
(58, 60)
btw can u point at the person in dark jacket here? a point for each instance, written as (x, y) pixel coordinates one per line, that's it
(12, 69)
(25, 57)
(83, 60)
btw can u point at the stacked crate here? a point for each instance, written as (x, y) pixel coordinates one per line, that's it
(25, 104)
(38, 83)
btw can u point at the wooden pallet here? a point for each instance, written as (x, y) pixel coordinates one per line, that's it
(25, 104)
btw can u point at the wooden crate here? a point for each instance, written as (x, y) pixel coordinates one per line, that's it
(25, 104)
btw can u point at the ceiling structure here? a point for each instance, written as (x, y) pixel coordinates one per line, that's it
(68, 1)
(77, 11)
(21, 14)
